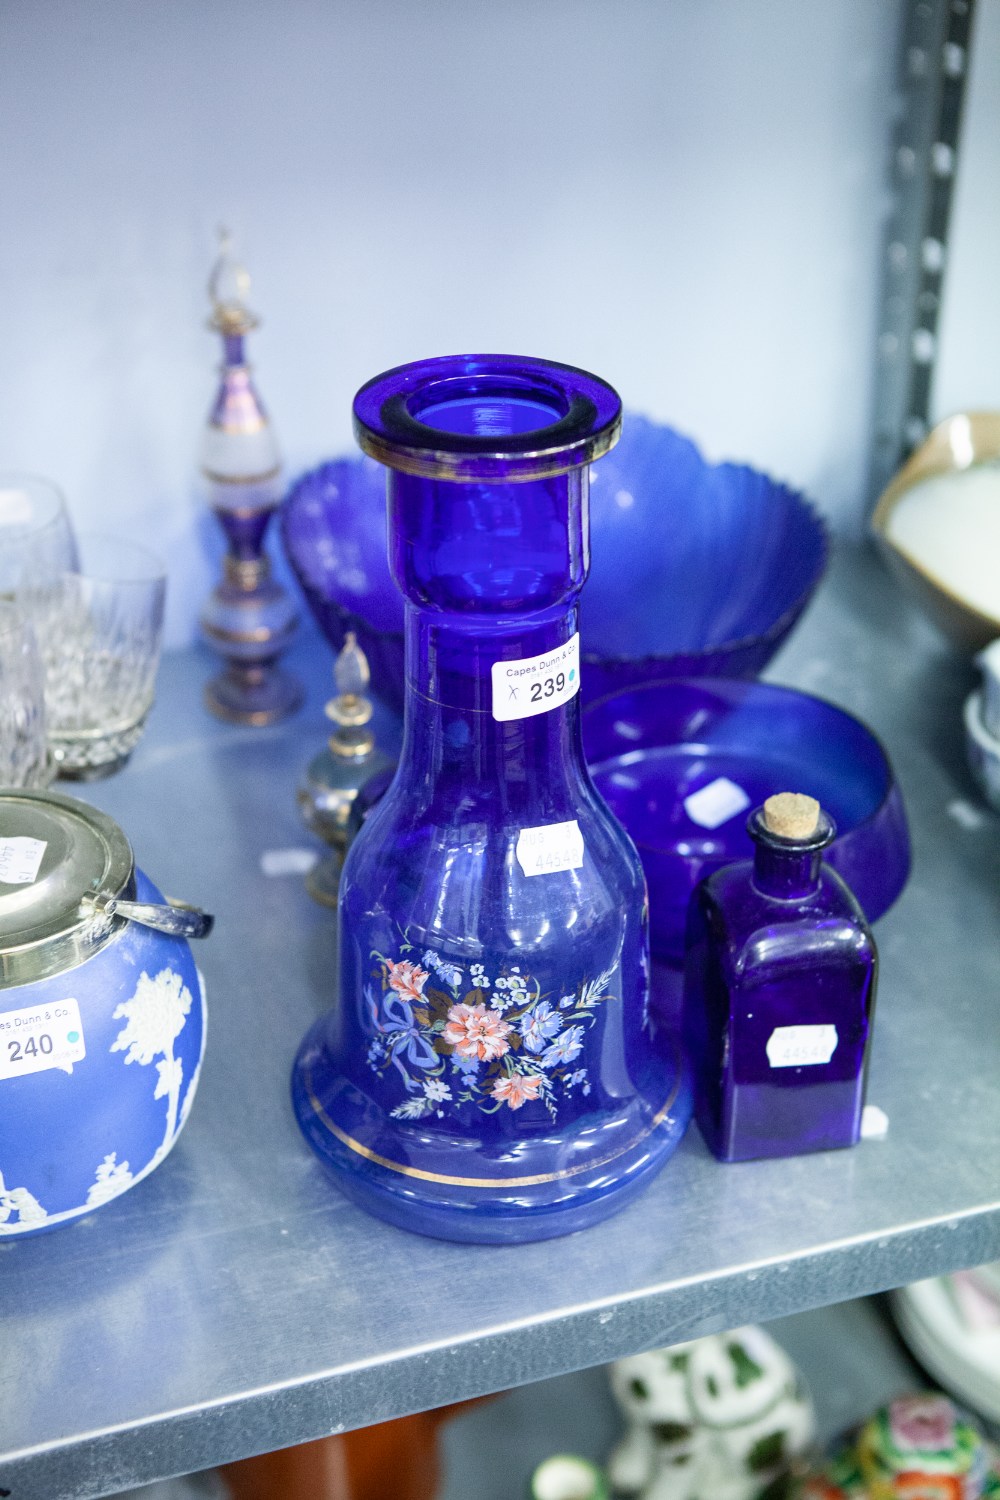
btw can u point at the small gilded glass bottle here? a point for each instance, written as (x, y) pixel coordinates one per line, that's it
(329, 787)
(779, 993)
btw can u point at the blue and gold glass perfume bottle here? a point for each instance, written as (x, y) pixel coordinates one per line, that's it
(249, 618)
(491, 1072)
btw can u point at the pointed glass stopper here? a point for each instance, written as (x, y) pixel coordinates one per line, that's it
(351, 708)
(228, 290)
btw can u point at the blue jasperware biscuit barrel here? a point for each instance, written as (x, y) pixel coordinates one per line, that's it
(102, 1014)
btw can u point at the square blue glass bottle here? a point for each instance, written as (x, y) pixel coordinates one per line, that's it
(779, 993)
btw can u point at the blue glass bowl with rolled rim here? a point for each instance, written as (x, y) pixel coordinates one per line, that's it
(731, 744)
(492, 1071)
(699, 569)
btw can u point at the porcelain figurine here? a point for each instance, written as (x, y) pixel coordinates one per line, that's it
(719, 1418)
(917, 1448)
(566, 1476)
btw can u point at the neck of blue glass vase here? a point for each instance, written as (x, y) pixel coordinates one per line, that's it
(491, 572)
(450, 727)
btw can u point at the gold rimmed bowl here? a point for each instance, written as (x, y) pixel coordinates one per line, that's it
(941, 539)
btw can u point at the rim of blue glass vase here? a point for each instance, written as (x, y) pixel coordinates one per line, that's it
(530, 418)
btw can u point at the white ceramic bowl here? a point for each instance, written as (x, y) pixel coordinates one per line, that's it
(982, 750)
(941, 539)
(965, 1359)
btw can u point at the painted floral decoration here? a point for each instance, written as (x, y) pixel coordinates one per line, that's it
(457, 1037)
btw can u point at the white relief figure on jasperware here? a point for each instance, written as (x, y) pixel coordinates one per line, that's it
(155, 1018)
(111, 1178)
(19, 1201)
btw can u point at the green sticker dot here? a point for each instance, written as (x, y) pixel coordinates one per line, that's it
(73, 1036)
(572, 673)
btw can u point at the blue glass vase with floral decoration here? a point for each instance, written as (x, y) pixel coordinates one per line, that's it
(492, 1071)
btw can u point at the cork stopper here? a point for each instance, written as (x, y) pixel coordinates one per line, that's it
(791, 815)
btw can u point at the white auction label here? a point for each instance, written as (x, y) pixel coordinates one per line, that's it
(16, 508)
(554, 846)
(801, 1046)
(288, 861)
(716, 803)
(43, 1036)
(21, 860)
(534, 684)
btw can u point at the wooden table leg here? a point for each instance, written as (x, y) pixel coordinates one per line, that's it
(397, 1460)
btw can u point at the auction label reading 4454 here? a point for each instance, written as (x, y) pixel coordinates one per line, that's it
(534, 684)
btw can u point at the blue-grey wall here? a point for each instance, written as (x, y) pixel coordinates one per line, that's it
(684, 195)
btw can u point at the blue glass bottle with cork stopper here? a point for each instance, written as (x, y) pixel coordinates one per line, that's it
(779, 993)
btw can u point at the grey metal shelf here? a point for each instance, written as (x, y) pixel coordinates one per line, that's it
(234, 1302)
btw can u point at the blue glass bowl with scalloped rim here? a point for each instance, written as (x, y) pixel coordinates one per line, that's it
(697, 569)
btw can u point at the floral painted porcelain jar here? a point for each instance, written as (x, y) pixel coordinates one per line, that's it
(102, 1022)
(916, 1448)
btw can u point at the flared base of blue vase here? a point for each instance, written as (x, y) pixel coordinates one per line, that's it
(590, 1170)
